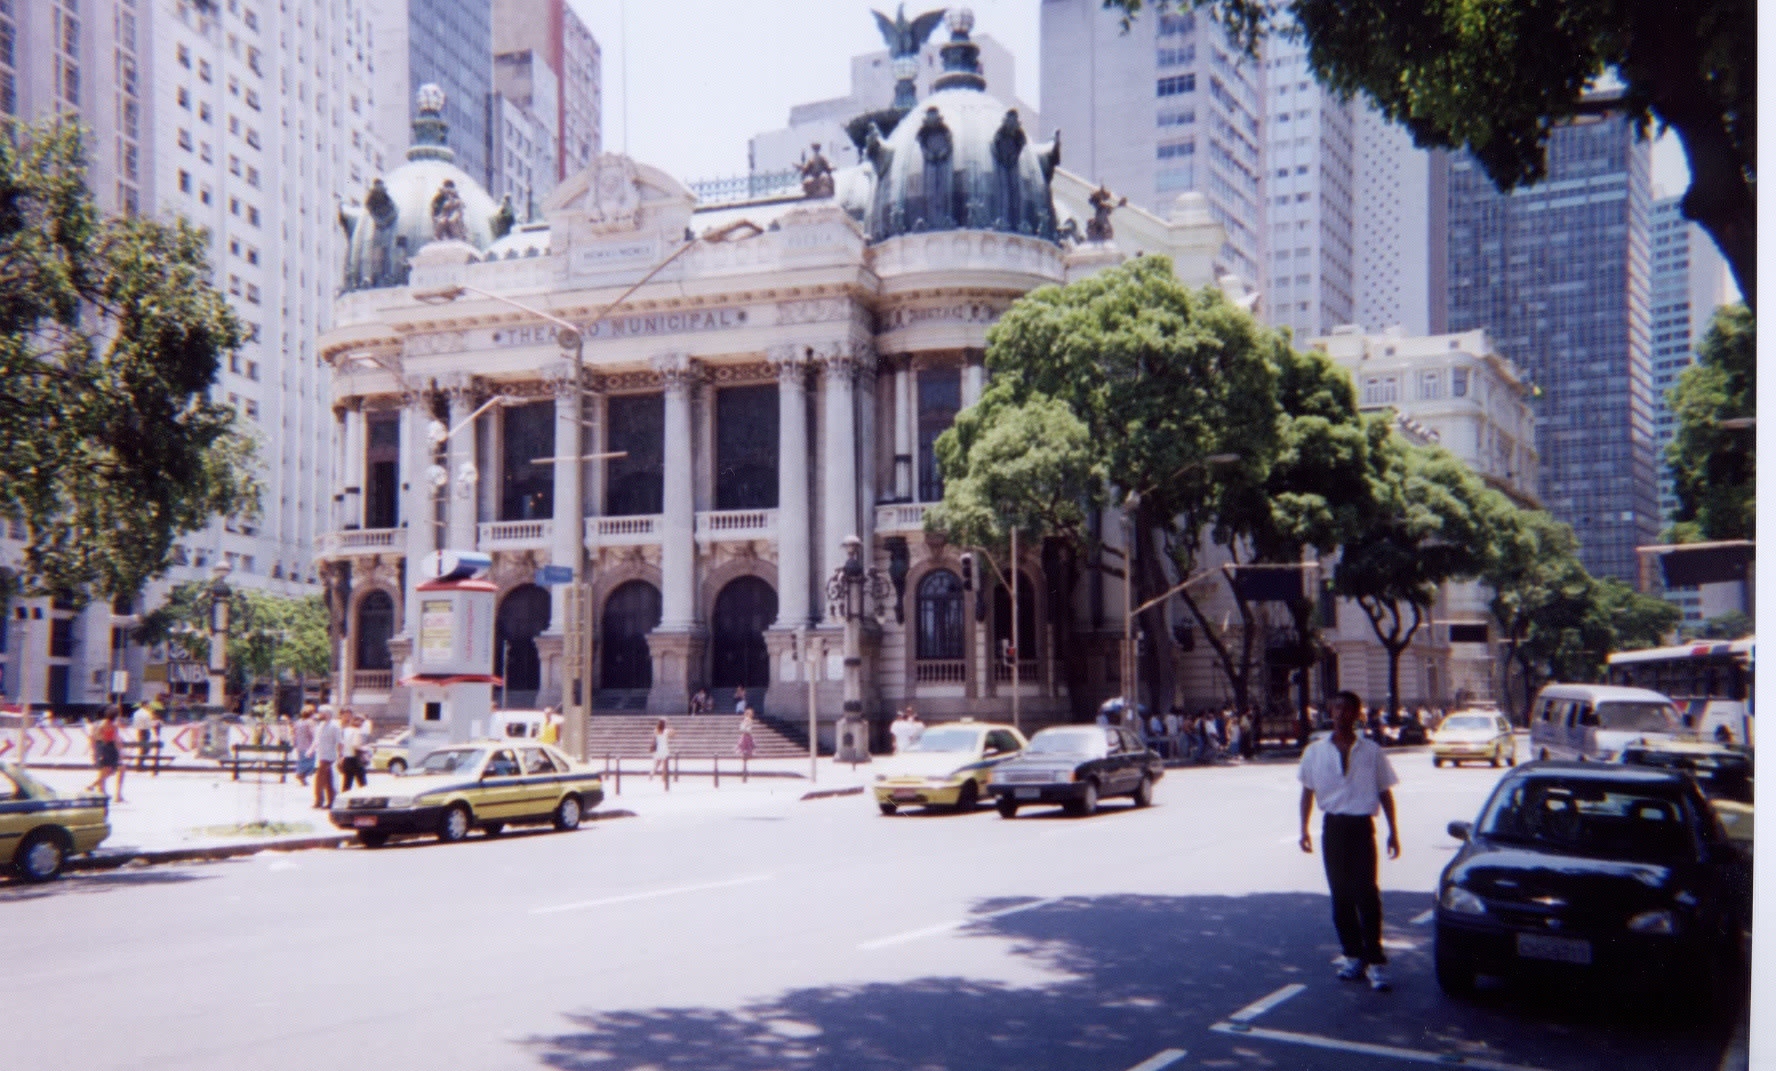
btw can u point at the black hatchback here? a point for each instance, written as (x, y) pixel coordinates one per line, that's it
(1076, 766)
(1594, 874)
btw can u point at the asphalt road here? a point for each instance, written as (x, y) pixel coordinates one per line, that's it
(795, 935)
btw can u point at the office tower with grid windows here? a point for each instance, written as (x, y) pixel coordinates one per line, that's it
(554, 34)
(1559, 274)
(1311, 146)
(1169, 106)
(1398, 227)
(447, 43)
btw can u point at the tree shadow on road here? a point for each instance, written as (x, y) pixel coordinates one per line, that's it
(1138, 974)
(88, 882)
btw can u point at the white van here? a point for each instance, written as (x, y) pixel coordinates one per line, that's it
(1594, 722)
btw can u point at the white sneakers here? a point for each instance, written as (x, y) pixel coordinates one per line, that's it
(1352, 970)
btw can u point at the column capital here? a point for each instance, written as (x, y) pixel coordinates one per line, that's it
(416, 392)
(678, 371)
(460, 388)
(848, 358)
(789, 361)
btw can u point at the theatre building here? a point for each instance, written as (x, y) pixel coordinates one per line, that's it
(774, 389)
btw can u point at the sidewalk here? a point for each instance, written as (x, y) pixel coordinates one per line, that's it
(182, 815)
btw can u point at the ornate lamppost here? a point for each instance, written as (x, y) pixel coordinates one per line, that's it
(853, 592)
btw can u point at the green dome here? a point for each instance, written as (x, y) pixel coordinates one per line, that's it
(961, 160)
(413, 205)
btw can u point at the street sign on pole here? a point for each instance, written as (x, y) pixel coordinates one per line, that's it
(550, 575)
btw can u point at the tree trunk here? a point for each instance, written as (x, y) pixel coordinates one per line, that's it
(1060, 563)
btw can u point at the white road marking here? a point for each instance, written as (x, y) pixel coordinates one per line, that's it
(1392, 1052)
(1259, 1007)
(1158, 1060)
(651, 894)
(1424, 916)
(953, 924)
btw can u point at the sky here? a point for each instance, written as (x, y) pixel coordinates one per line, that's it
(704, 76)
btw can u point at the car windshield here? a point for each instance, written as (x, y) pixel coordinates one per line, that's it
(452, 760)
(947, 740)
(1639, 823)
(1637, 717)
(1469, 723)
(1087, 742)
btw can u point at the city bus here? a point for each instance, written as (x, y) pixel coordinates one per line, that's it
(1710, 681)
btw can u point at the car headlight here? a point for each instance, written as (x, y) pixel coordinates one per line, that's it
(1462, 902)
(400, 801)
(1659, 921)
(1064, 775)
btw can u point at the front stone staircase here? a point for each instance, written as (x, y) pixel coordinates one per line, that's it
(700, 737)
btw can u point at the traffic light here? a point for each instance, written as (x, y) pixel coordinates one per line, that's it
(967, 572)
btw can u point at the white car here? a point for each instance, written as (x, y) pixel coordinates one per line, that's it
(1473, 736)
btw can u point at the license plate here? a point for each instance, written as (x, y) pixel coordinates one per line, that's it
(365, 821)
(1029, 793)
(905, 795)
(1558, 949)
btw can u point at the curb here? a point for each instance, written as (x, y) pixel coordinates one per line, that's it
(829, 793)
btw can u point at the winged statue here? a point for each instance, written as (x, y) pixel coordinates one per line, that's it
(907, 38)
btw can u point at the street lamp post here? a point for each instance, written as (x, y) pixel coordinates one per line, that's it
(219, 593)
(577, 633)
(853, 592)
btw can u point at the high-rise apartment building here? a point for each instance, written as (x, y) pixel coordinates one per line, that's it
(447, 43)
(1559, 274)
(248, 118)
(1311, 183)
(551, 30)
(526, 97)
(1168, 106)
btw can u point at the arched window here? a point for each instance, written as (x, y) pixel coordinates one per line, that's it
(522, 614)
(940, 616)
(376, 624)
(630, 613)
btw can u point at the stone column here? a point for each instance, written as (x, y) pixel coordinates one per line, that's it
(839, 453)
(459, 498)
(351, 473)
(794, 584)
(418, 511)
(904, 415)
(974, 376)
(678, 546)
(565, 543)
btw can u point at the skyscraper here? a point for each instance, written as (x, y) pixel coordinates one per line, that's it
(1310, 143)
(447, 43)
(551, 30)
(1169, 106)
(1398, 227)
(1559, 274)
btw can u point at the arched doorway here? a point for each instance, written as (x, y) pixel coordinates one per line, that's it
(743, 611)
(522, 614)
(376, 624)
(630, 613)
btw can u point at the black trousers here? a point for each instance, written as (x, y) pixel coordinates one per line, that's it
(1347, 847)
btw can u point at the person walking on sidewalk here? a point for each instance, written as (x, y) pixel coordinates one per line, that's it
(1351, 778)
(745, 745)
(662, 750)
(302, 739)
(105, 754)
(352, 746)
(146, 722)
(325, 752)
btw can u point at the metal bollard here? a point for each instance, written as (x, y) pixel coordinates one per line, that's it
(745, 768)
(607, 760)
(718, 770)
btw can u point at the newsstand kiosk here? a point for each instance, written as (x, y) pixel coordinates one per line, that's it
(452, 684)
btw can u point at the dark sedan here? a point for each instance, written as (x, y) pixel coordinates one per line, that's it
(1594, 874)
(1076, 766)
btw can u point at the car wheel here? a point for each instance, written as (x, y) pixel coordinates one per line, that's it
(372, 838)
(567, 813)
(1455, 975)
(455, 824)
(397, 766)
(887, 808)
(1144, 792)
(968, 798)
(1007, 807)
(494, 829)
(41, 856)
(1544, 755)
(1511, 756)
(1088, 800)
(1495, 760)
(1436, 762)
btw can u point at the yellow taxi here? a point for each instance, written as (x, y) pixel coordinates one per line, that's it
(948, 766)
(389, 754)
(1474, 735)
(40, 829)
(487, 784)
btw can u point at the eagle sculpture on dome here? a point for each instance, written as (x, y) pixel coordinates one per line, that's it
(907, 38)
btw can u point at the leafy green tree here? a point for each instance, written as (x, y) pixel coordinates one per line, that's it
(1427, 527)
(1713, 456)
(110, 337)
(1496, 78)
(1162, 378)
(270, 637)
(1732, 625)
(1630, 620)
(1540, 596)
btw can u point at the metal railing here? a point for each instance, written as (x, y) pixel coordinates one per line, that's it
(944, 672)
(373, 680)
(753, 187)
(1028, 672)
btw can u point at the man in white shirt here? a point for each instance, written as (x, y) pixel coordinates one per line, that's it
(325, 751)
(1351, 778)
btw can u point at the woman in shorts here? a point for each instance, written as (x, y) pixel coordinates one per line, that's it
(105, 753)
